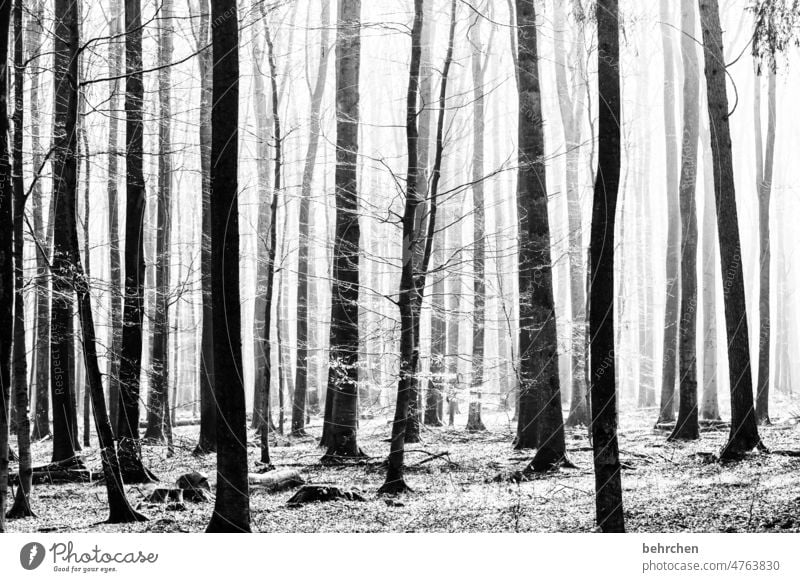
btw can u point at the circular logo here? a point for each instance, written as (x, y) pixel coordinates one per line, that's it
(31, 555)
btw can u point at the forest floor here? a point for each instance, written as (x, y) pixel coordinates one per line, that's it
(667, 487)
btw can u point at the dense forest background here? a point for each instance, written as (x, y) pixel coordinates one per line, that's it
(335, 100)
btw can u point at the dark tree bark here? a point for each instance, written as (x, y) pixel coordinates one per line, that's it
(159, 383)
(608, 483)
(21, 507)
(687, 424)
(764, 178)
(670, 353)
(6, 266)
(303, 339)
(232, 506)
(66, 258)
(343, 359)
(62, 349)
(133, 471)
(407, 300)
(207, 442)
(540, 422)
(115, 56)
(744, 430)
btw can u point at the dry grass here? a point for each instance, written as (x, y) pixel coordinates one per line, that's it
(667, 487)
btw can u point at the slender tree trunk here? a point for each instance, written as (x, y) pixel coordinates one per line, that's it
(41, 418)
(764, 193)
(207, 442)
(159, 383)
(710, 406)
(670, 353)
(303, 339)
(343, 359)
(433, 245)
(474, 421)
(571, 115)
(647, 388)
(407, 300)
(6, 266)
(21, 507)
(264, 136)
(232, 506)
(687, 426)
(272, 247)
(115, 59)
(744, 430)
(608, 483)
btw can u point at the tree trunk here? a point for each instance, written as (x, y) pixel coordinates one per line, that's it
(686, 425)
(670, 354)
(41, 418)
(232, 506)
(407, 299)
(572, 107)
(343, 358)
(68, 271)
(315, 130)
(133, 471)
(261, 333)
(6, 267)
(207, 442)
(474, 421)
(21, 507)
(764, 193)
(159, 382)
(115, 49)
(744, 430)
(710, 406)
(540, 422)
(608, 483)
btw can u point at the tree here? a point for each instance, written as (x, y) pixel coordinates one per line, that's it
(208, 407)
(407, 301)
(133, 471)
(67, 267)
(232, 506)
(686, 425)
(343, 358)
(115, 56)
(540, 422)
(6, 267)
(474, 421)
(21, 507)
(41, 415)
(670, 355)
(572, 106)
(62, 352)
(608, 483)
(158, 397)
(270, 225)
(744, 430)
(304, 217)
(765, 161)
